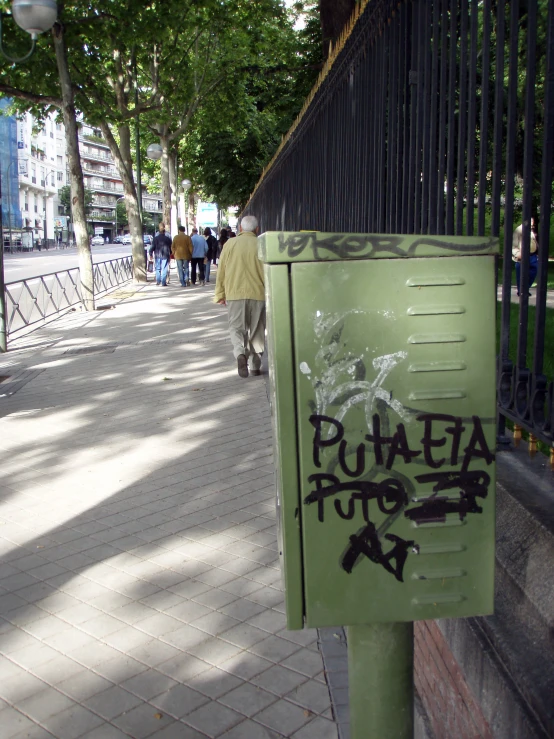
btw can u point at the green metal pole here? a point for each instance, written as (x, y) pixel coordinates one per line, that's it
(380, 675)
(137, 136)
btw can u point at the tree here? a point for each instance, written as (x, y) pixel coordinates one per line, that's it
(64, 196)
(236, 133)
(334, 16)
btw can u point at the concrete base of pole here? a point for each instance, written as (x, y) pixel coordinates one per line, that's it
(380, 675)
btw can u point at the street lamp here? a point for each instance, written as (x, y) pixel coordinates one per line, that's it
(154, 152)
(33, 16)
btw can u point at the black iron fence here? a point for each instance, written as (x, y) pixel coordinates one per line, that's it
(437, 117)
(37, 299)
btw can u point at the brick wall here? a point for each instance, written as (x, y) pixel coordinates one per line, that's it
(450, 706)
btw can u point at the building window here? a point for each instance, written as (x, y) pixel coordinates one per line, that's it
(60, 176)
(61, 210)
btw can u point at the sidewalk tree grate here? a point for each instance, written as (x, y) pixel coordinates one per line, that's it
(18, 381)
(102, 349)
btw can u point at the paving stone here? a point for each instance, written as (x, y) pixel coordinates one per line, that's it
(248, 699)
(319, 728)
(215, 623)
(269, 620)
(241, 586)
(148, 684)
(245, 665)
(72, 723)
(215, 682)
(215, 598)
(214, 650)
(105, 731)
(279, 680)
(83, 685)
(251, 730)
(213, 719)
(178, 730)
(185, 637)
(305, 661)
(120, 668)
(46, 703)
(274, 648)
(284, 717)
(183, 667)
(242, 609)
(187, 611)
(13, 722)
(244, 635)
(142, 721)
(154, 652)
(112, 702)
(312, 695)
(179, 700)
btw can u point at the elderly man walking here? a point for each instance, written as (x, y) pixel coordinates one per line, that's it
(240, 286)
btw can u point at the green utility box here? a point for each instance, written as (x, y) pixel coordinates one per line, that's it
(382, 375)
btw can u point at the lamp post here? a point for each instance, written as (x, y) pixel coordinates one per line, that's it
(186, 187)
(35, 17)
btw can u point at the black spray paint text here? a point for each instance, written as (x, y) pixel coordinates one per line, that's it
(439, 431)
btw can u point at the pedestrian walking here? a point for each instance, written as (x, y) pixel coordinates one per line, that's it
(211, 241)
(161, 251)
(199, 251)
(240, 286)
(517, 242)
(223, 238)
(182, 249)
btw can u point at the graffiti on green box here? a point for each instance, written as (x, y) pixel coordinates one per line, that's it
(455, 488)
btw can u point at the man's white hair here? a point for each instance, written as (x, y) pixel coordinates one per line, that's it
(249, 223)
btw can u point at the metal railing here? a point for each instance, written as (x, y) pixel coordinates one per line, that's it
(437, 117)
(37, 299)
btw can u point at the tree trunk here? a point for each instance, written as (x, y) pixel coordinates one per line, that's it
(122, 157)
(86, 273)
(166, 184)
(173, 187)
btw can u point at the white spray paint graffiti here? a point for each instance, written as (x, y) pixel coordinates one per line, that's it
(328, 387)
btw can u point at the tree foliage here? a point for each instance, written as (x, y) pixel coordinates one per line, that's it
(64, 196)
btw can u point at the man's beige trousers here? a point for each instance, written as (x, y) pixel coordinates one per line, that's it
(247, 329)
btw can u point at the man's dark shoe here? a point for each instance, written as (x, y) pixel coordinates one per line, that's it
(242, 365)
(255, 372)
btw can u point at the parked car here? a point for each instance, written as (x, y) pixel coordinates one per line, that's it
(126, 239)
(97, 240)
(118, 240)
(147, 240)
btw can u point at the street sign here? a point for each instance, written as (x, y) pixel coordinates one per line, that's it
(207, 215)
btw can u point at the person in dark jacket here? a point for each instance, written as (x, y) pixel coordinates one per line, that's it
(223, 237)
(161, 250)
(212, 251)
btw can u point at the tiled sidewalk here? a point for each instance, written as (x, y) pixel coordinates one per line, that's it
(140, 593)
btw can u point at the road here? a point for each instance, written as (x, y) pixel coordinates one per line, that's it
(24, 265)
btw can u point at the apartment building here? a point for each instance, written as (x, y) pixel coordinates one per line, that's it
(42, 166)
